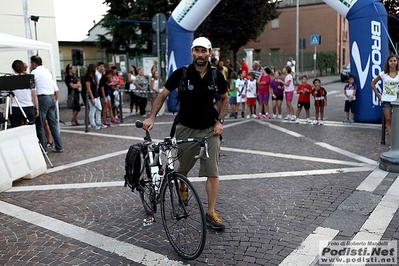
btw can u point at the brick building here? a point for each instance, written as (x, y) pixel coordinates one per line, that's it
(278, 40)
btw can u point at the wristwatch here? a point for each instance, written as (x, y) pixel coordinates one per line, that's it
(221, 120)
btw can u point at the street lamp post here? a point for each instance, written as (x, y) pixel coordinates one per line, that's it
(35, 19)
(297, 40)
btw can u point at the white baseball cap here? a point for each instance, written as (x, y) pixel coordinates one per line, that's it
(202, 42)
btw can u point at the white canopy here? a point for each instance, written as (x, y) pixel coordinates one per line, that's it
(14, 43)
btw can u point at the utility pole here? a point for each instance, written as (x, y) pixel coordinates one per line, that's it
(297, 40)
(28, 33)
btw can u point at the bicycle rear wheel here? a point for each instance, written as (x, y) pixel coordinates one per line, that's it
(183, 221)
(146, 190)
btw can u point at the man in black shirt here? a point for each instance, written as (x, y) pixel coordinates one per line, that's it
(198, 118)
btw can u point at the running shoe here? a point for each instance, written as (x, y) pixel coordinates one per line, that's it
(248, 116)
(259, 116)
(351, 120)
(288, 117)
(279, 117)
(297, 121)
(274, 116)
(308, 121)
(314, 122)
(293, 118)
(321, 122)
(346, 120)
(253, 115)
(213, 220)
(107, 124)
(268, 116)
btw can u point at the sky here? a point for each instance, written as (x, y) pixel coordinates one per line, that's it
(74, 18)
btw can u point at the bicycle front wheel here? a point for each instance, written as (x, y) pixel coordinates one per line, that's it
(183, 216)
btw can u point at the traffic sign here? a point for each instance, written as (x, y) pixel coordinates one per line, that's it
(315, 39)
(159, 22)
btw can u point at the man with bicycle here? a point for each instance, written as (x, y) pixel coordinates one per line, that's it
(198, 118)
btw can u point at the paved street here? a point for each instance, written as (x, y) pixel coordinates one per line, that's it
(284, 187)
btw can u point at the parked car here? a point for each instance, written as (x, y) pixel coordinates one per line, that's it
(345, 72)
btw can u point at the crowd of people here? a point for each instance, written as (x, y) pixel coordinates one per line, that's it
(105, 89)
(260, 84)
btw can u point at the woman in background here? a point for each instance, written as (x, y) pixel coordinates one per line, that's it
(73, 85)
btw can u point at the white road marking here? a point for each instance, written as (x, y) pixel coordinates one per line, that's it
(67, 186)
(346, 153)
(82, 162)
(322, 144)
(372, 180)
(306, 253)
(379, 220)
(326, 123)
(129, 251)
(293, 157)
(336, 92)
(198, 179)
(102, 135)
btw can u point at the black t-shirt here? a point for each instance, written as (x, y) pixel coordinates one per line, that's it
(93, 86)
(196, 101)
(68, 80)
(104, 82)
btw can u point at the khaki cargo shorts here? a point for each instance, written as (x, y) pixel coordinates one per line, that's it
(208, 166)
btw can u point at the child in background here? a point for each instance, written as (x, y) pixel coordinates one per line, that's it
(289, 93)
(251, 95)
(264, 91)
(277, 91)
(320, 100)
(350, 99)
(233, 94)
(241, 85)
(304, 91)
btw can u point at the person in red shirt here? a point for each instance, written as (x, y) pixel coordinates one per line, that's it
(244, 67)
(304, 90)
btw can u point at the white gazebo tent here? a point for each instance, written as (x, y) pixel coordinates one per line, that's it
(14, 43)
(20, 154)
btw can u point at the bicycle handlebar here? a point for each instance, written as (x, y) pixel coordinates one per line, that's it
(203, 142)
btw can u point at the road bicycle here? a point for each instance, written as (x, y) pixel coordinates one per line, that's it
(182, 214)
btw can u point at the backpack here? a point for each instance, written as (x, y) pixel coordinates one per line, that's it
(133, 166)
(183, 87)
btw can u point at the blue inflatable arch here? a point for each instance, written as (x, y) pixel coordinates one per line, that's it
(368, 42)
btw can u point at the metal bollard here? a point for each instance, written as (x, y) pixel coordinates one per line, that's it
(389, 161)
(383, 130)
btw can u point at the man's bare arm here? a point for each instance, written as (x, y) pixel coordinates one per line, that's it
(159, 102)
(224, 106)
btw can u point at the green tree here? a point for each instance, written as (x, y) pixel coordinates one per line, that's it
(128, 24)
(392, 7)
(325, 60)
(235, 22)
